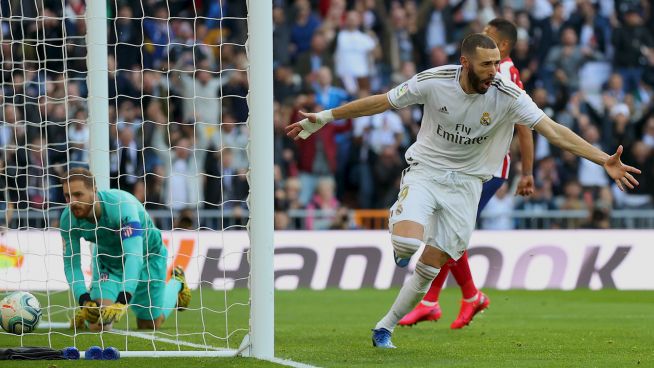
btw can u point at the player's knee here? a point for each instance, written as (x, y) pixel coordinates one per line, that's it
(405, 247)
(98, 327)
(147, 324)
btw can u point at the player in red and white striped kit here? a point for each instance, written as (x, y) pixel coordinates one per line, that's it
(504, 34)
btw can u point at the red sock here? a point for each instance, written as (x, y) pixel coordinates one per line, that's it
(436, 285)
(461, 272)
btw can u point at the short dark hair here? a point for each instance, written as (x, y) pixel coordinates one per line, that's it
(471, 42)
(79, 173)
(506, 29)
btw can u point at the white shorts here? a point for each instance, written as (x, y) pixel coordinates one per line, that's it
(444, 202)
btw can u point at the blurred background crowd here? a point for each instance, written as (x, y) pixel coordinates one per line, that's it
(178, 109)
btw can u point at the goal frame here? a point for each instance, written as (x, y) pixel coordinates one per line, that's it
(259, 342)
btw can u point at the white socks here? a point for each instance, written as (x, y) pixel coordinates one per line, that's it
(412, 291)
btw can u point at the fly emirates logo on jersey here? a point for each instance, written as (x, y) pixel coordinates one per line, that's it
(460, 135)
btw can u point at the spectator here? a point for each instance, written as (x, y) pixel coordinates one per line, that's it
(632, 42)
(564, 62)
(304, 25)
(497, 214)
(353, 48)
(78, 140)
(310, 62)
(158, 35)
(126, 35)
(200, 90)
(589, 176)
(572, 201)
(281, 38)
(130, 159)
(317, 154)
(541, 201)
(183, 183)
(387, 171)
(324, 200)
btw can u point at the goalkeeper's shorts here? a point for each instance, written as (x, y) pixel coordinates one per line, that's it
(148, 299)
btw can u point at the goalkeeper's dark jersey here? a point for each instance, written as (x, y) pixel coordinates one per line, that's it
(124, 235)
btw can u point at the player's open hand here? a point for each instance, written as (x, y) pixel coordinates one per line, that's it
(309, 125)
(525, 186)
(619, 172)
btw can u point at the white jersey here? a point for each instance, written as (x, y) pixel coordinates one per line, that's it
(468, 133)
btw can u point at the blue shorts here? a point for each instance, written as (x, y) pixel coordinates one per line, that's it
(147, 301)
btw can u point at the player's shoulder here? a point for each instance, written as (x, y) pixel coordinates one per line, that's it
(506, 87)
(444, 72)
(116, 196)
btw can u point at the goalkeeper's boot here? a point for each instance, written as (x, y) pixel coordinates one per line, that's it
(381, 338)
(469, 310)
(184, 295)
(421, 313)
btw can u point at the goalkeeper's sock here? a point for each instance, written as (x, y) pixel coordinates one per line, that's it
(170, 299)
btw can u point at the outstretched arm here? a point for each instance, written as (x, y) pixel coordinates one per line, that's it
(566, 139)
(526, 183)
(366, 106)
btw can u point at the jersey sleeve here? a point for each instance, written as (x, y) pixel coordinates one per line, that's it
(411, 92)
(131, 234)
(524, 111)
(72, 258)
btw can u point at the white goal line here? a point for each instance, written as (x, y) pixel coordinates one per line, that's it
(208, 350)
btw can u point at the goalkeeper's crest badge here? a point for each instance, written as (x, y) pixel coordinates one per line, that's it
(485, 119)
(104, 276)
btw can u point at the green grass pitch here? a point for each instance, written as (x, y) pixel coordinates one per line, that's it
(331, 328)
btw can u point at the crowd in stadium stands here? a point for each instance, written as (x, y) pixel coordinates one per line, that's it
(587, 63)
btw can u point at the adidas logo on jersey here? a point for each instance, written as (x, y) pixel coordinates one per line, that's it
(443, 110)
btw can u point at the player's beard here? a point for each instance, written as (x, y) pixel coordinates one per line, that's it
(81, 210)
(478, 85)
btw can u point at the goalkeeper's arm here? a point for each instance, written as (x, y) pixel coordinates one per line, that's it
(88, 309)
(366, 106)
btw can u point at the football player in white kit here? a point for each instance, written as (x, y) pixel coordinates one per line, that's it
(505, 35)
(467, 126)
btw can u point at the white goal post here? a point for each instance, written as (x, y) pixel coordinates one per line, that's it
(260, 341)
(33, 247)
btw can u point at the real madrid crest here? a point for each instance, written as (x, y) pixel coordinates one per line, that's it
(485, 119)
(403, 193)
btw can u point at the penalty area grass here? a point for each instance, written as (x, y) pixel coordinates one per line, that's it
(331, 328)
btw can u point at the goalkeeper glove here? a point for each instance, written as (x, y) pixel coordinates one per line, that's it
(113, 313)
(309, 128)
(88, 310)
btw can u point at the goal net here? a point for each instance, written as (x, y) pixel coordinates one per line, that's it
(155, 97)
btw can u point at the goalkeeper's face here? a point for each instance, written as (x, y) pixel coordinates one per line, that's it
(80, 198)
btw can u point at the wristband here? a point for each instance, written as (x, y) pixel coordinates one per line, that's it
(124, 298)
(86, 297)
(309, 128)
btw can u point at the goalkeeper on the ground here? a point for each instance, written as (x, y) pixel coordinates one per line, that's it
(129, 259)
